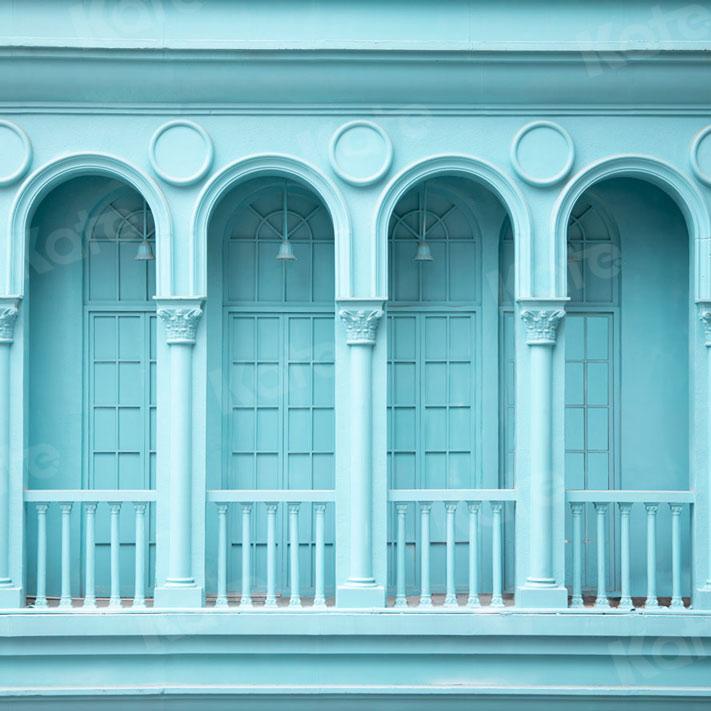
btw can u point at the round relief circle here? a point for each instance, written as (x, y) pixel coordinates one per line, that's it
(15, 153)
(361, 152)
(181, 152)
(542, 153)
(701, 155)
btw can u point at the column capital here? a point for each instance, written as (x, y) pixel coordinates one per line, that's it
(361, 324)
(705, 318)
(9, 310)
(542, 325)
(180, 318)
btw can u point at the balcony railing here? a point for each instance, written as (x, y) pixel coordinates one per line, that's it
(275, 549)
(466, 513)
(634, 515)
(85, 506)
(270, 522)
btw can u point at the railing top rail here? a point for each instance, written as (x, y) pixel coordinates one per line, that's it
(452, 494)
(629, 496)
(46, 496)
(271, 495)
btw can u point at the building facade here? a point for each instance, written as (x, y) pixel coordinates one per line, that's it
(355, 355)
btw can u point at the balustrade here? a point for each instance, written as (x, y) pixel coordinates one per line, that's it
(471, 505)
(81, 508)
(614, 538)
(307, 569)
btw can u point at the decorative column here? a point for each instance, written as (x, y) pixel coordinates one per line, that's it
(10, 589)
(702, 514)
(541, 588)
(180, 321)
(361, 589)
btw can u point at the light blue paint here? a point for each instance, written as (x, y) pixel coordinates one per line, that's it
(523, 417)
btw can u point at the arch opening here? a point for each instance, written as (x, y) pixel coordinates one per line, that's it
(270, 325)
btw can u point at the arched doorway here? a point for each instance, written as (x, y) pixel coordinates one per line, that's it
(91, 367)
(271, 407)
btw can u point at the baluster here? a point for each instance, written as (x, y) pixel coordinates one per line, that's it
(41, 597)
(246, 599)
(139, 593)
(319, 597)
(625, 598)
(295, 597)
(497, 575)
(221, 600)
(400, 593)
(474, 508)
(676, 601)
(65, 599)
(270, 600)
(601, 518)
(90, 545)
(576, 510)
(450, 599)
(425, 594)
(115, 599)
(651, 602)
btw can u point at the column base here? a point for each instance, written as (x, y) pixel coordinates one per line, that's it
(360, 596)
(179, 596)
(701, 598)
(11, 597)
(548, 597)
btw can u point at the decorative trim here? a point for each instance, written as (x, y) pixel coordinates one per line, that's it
(201, 171)
(465, 166)
(180, 323)
(387, 155)
(556, 177)
(542, 326)
(20, 171)
(284, 166)
(8, 316)
(361, 325)
(61, 169)
(652, 170)
(705, 178)
(705, 318)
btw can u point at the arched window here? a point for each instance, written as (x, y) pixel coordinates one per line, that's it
(445, 338)
(271, 413)
(92, 361)
(627, 361)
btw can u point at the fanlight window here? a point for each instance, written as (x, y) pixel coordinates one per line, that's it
(279, 247)
(121, 240)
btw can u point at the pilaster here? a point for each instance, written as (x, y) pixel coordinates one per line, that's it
(544, 497)
(701, 564)
(11, 518)
(179, 504)
(362, 486)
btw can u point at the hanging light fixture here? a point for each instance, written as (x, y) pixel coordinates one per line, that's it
(286, 252)
(423, 254)
(144, 253)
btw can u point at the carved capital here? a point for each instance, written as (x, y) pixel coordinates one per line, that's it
(8, 316)
(180, 323)
(361, 325)
(542, 325)
(705, 318)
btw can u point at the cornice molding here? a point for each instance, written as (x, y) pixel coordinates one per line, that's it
(507, 76)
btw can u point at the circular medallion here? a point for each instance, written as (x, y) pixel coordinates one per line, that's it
(360, 153)
(181, 152)
(701, 155)
(542, 153)
(15, 153)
